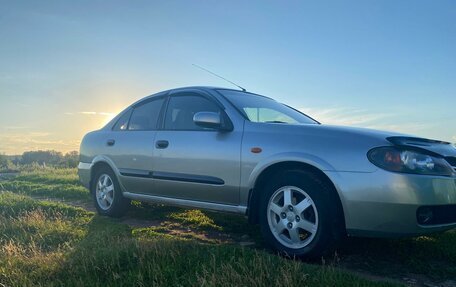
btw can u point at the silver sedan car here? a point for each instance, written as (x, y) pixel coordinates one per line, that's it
(305, 183)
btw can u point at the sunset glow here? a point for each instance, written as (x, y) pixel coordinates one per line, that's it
(69, 67)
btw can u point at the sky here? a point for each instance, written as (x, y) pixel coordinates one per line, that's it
(68, 67)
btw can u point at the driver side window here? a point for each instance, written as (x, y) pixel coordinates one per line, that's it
(182, 108)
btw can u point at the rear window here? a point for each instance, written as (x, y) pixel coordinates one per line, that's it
(145, 116)
(122, 123)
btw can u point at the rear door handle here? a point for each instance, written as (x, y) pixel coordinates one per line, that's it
(110, 142)
(161, 144)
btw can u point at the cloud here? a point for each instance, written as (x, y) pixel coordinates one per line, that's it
(15, 128)
(347, 116)
(344, 116)
(106, 114)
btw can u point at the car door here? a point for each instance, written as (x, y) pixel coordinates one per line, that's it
(131, 145)
(192, 162)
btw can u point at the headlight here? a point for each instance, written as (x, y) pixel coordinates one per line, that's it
(409, 161)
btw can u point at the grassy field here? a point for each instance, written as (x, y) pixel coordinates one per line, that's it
(47, 240)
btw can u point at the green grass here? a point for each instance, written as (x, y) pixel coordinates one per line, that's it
(433, 255)
(62, 184)
(225, 227)
(59, 191)
(53, 244)
(56, 244)
(50, 176)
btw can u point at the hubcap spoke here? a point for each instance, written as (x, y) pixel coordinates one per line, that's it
(303, 205)
(294, 235)
(109, 199)
(275, 208)
(307, 226)
(110, 188)
(105, 181)
(287, 197)
(280, 227)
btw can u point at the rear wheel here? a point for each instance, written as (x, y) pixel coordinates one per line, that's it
(107, 194)
(297, 214)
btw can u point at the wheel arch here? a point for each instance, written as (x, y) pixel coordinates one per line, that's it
(97, 163)
(274, 168)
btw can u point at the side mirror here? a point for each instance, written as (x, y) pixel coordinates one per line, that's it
(208, 120)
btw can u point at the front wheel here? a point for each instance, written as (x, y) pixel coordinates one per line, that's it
(297, 214)
(107, 194)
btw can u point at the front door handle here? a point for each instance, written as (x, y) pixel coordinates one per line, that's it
(161, 144)
(110, 142)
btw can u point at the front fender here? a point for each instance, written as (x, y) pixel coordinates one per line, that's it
(306, 158)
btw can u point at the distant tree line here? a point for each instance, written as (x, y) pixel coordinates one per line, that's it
(42, 158)
(4, 162)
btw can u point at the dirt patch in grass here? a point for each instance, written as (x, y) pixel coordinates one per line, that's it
(141, 223)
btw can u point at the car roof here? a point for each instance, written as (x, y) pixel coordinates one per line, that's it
(213, 88)
(201, 88)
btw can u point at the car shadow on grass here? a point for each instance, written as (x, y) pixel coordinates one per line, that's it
(203, 226)
(432, 256)
(416, 261)
(111, 254)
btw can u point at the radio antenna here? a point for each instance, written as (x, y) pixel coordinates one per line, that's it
(212, 73)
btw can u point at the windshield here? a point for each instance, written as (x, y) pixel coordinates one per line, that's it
(265, 110)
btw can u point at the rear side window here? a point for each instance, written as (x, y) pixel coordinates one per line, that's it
(145, 116)
(181, 109)
(122, 123)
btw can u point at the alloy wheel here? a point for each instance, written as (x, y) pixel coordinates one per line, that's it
(105, 192)
(292, 217)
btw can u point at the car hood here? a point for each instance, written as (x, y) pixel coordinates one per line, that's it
(437, 147)
(332, 147)
(356, 131)
(369, 138)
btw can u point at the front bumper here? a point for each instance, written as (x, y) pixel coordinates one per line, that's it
(385, 204)
(84, 173)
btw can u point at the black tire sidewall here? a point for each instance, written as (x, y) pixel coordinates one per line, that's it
(119, 204)
(322, 197)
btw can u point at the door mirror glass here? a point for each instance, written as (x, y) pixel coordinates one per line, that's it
(208, 120)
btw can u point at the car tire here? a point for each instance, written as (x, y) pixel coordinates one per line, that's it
(298, 215)
(107, 194)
